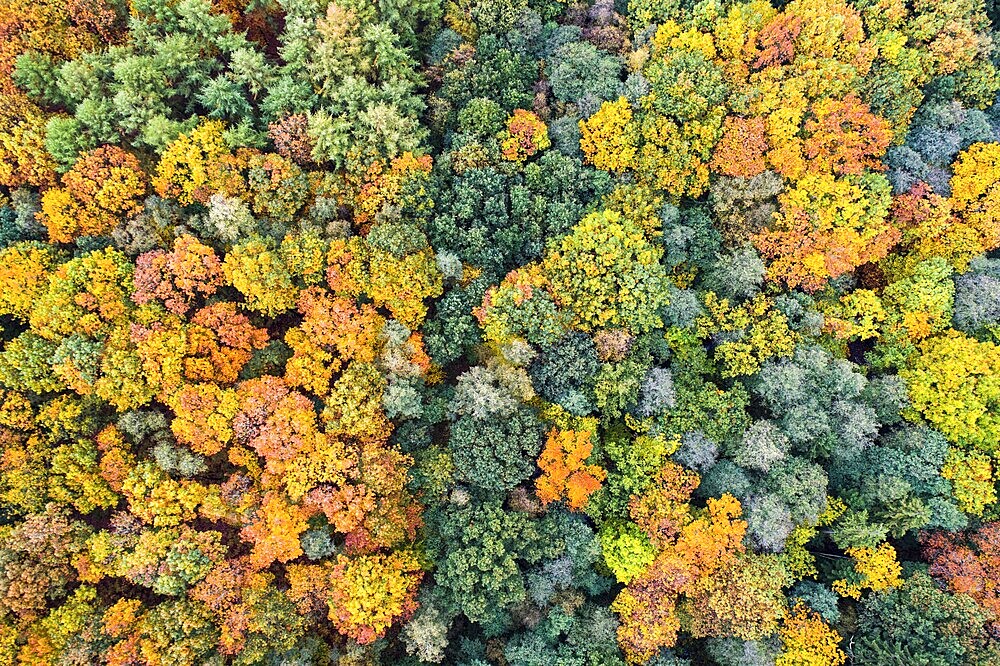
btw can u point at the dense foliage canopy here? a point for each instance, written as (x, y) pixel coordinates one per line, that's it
(499, 332)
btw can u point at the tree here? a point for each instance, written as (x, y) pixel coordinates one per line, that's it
(800, 393)
(564, 371)
(692, 550)
(249, 618)
(104, 184)
(740, 151)
(579, 69)
(610, 138)
(975, 190)
(37, 555)
(190, 271)
(275, 532)
(844, 137)
(808, 641)
(919, 620)
(826, 227)
(966, 562)
(400, 284)
(743, 599)
(184, 171)
(88, 295)
(608, 274)
(564, 471)
(496, 453)
(203, 417)
(480, 550)
(278, 423)
(874, 568)
(270, 275)
(525, 135)
(951, 385)
(370, 592)
(747, 335)
(24, 269)
(522, 306)
(742, 207)
(180, 629)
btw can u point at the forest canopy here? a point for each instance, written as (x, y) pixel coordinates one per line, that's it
(499, 332)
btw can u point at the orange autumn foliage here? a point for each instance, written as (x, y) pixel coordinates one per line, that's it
(275, 532)
(693, 546)
(968, 563)
(350, 329)
(845, 137)
(740, 152)
(565, 473)
(104, 186)
(277, 422)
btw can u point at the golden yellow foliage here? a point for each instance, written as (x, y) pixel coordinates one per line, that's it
(185, 168)
(875, 569)
(808, 641)
(609, 138)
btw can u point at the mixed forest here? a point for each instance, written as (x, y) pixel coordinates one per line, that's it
(499, 333)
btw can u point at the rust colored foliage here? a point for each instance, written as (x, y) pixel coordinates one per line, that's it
(190, 271)
(968, 563)
(776, 41)
(565, 474)
(845, 137)
(291, 138)
(97, 17)
(262, 25)
(275, 421)
(37, 555)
